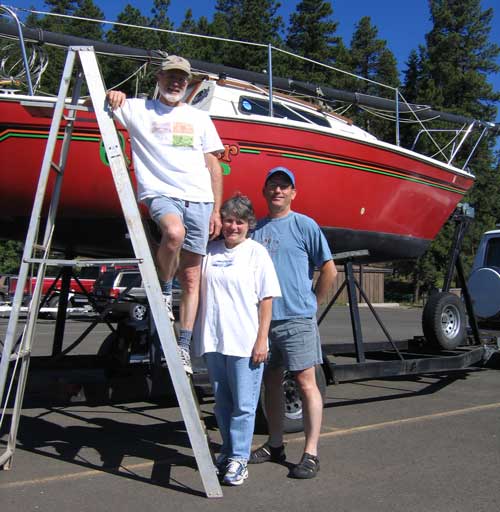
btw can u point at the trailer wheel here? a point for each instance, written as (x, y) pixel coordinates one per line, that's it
(443, 321)
(293, 420)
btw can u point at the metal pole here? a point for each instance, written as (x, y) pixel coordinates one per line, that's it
(354, 311)
(270, 73)
(23, 48)
(397, 118)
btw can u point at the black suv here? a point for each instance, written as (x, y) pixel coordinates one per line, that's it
(120, 292)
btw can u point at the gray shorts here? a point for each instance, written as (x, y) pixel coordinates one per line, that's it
(294, 344)
(195, 216)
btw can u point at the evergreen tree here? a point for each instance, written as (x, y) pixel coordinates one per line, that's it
(10, 256)
(450, 73)
(161, 20)
(254, 21)
(312, 34)
(81, 8)
(88, 29)
(196, 47)
(371, 59)
(123, 73)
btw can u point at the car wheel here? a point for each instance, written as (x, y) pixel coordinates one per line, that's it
(53, 303)
(443, 321)
(138, 311)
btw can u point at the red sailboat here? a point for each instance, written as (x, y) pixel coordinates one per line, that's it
(365, 193)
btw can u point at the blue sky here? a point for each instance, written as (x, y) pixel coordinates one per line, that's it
(402, 24)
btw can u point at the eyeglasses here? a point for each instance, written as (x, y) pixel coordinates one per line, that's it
(275, 184)
(173, 77)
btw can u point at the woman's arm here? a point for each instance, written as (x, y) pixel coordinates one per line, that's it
(259, 352)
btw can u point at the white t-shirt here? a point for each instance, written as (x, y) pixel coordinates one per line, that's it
(232, 284)
(168, 147)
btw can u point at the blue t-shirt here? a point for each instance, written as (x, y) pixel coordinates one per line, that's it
(297, 247)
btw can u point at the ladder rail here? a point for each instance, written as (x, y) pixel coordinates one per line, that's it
(149, 274)
(186, 398)
(10, 335)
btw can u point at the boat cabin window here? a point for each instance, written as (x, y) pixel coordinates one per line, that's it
(493, 253)
(249, 105)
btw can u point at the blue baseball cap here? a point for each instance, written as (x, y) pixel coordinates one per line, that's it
(284, 170)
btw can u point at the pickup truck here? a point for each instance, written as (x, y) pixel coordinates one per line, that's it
(484, 281)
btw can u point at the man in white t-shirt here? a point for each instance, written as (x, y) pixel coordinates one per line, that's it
(175, 148)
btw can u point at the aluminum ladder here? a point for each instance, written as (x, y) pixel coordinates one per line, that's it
(16, 355)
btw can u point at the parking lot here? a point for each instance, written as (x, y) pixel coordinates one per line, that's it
(421, 443)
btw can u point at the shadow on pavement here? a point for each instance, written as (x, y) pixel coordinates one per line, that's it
(123, 448)
(444, 379)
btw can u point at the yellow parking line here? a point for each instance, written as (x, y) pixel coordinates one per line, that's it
(416, 419)
(84, 474)
(331, 433)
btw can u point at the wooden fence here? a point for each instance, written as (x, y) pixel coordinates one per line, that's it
(370, 278)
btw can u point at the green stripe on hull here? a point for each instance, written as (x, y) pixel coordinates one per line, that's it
(369, 169)
(91, 138)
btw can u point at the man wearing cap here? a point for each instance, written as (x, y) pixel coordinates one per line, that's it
(297, 247)
(175, 148)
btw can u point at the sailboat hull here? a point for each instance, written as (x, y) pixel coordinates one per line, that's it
(364, 195)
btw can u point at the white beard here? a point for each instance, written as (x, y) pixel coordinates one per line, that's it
(171, 97)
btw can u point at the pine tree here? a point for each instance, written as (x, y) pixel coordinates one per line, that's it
(81, 8)
(451, 73)
(371, 59)
(311, 34)
(123, 73)
(160, 20)
(10, 256)
(196, 47)
(254, 21)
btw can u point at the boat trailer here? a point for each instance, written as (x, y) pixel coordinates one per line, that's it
(446, 345)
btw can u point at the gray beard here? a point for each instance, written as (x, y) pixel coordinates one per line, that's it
(171, 97)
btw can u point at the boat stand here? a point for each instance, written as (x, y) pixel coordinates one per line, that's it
(16, 355)
(408, 357)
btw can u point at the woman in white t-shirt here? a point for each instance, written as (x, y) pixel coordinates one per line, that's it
(237, 287)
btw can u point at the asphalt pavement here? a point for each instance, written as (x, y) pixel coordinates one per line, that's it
(426, 443)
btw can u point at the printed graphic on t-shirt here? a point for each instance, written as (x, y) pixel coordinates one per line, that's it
(183, 135)
(223, 260)
(175, 134)
(271, 244)
(161, 131)
(222, 263)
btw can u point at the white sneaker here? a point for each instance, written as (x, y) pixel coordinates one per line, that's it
(186, 359)
(236, 472)
(167, 300)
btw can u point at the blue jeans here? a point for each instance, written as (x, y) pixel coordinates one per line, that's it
(236, 384)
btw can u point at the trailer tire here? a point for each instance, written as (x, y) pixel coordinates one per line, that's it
(293, 420)
(443, 321)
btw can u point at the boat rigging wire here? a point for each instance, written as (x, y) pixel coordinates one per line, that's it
(371, 104)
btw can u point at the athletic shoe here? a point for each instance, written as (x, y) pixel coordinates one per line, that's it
(267, 453)
(186, 359)
(167, 300)
(236, 472)
(308, 467)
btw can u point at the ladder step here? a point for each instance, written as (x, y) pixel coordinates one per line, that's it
(39, 247)
(56, 167)
(84, 263)
(20, 355)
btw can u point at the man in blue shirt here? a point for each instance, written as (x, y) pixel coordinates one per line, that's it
(297, 247)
